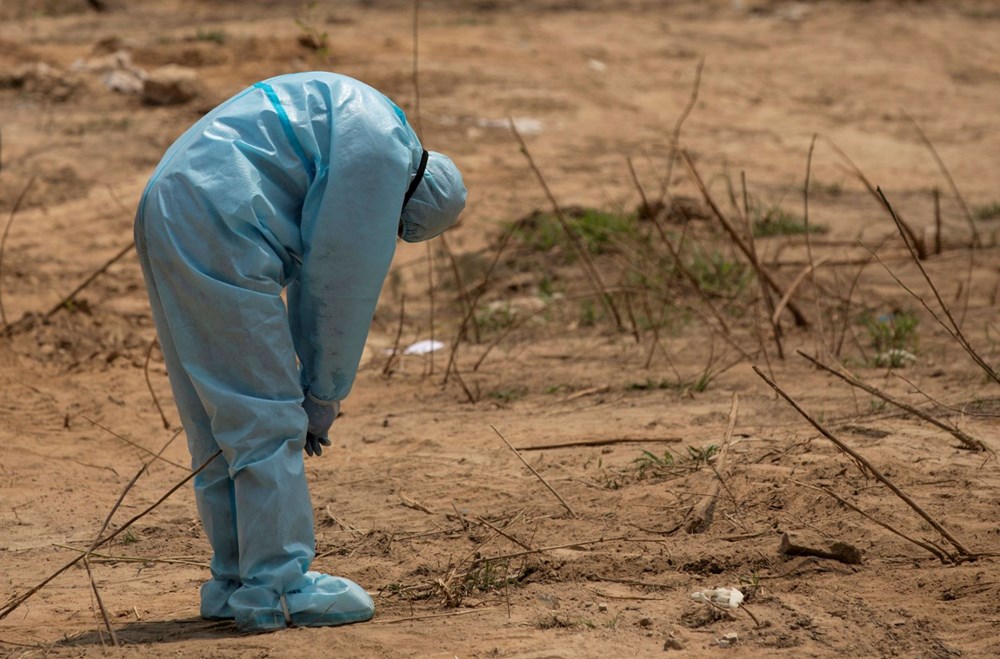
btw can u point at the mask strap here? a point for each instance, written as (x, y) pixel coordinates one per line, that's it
(415, 183)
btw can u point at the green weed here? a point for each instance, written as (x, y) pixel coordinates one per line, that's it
(716, 273)
(892, 336)
(508, 395)
(595, 229)
(213, 36)
(834, 189)
(700, 456)
(990, 211)
(490, 576)
(588, 313)
(776, 221)
(650, 463)
(494, 317)
(311, 36)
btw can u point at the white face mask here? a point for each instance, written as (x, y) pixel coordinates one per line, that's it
(435, 202)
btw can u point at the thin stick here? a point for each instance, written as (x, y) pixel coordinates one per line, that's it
(937, 221)
(593, 275)
(937, 552)
(684, 270)
(603, 442)
(761, 271)
(701, 514)
(821, 334)
(807, 271)
(570, 545)
(18, 601)
(675, 138)
(459, 283)
(100, 604)
(149, 384)
(3, 242)
(976, 241)
(968, 442)
(532, 470)
(955, 330)
(856, 171)
(480, 291)
(132, 559)
(64, 303)
(646, 208)
(430, 296)
(136, 444)
(774, 320)
(416, 60)
(429, 616)
(505, 534)
(868, 465)
(394, 355)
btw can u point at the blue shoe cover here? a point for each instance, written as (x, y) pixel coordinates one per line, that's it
(315, 600)
(328, 601)
(215, 599)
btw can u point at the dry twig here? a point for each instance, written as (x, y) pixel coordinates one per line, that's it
(65, 302)
(532, 470)
(871, 468)
(675, 138)
(3, 242)
(149, 384)
(968, 442)
(16, 602)
(602, 442)
(734, 235)
(938, 553)
(955, 330)
(100, 604)
(976, 240)
(701, 515)
(590, 269)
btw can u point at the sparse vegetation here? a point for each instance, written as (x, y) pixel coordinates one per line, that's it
(989, 211)
(776, 221)
(598, 230)
(893, 335)
(212, 36)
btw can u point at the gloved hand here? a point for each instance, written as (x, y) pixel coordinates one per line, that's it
(321, 416)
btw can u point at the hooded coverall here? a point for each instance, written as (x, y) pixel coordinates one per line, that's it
(295, 183)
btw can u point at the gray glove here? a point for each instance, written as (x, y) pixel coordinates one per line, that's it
(321, 416)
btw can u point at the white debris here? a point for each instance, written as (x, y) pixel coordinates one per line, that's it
(423, 347)
(597, 65)
(115, 71)
(895, 357)
(729, 598)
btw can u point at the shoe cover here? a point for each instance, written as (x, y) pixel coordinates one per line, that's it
(215, 596)
(316, 600)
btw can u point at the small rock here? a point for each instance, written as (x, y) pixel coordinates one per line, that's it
(645, 622)
(800, 543)
(550, 601)
(602, 607)
(672, 644)
(170, 85)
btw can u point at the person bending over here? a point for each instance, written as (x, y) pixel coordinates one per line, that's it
(299, 183)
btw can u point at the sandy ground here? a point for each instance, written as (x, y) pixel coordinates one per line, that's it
(465, 550)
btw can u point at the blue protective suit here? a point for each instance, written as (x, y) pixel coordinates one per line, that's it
(295, 183)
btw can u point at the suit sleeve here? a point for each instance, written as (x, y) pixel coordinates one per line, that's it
(349, 227)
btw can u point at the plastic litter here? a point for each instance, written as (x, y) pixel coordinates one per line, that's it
(729, 598)
(422, 347)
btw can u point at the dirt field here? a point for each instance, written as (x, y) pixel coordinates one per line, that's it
(466, 551)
